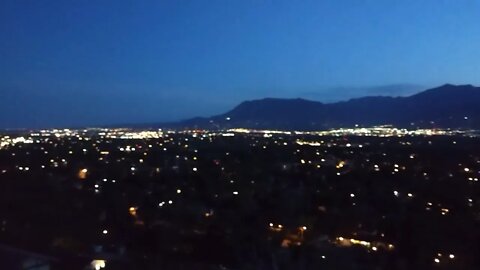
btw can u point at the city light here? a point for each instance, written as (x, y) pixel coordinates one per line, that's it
(300, 170)
(98, 264)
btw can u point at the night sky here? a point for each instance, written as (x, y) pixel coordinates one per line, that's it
(73, 63)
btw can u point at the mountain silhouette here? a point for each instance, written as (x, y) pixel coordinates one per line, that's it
(447, 106)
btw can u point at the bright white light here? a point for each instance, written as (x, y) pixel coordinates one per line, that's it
(451, 256)
(105, 232)
(235, 193)
(352, 195)
(179, 191)
(98, 264)
(436, 260)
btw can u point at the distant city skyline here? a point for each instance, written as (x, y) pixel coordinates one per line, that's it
(76, 63)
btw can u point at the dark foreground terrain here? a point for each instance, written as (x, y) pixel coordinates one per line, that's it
(249, 201)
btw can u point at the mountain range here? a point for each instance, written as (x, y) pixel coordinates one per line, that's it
(447, 106)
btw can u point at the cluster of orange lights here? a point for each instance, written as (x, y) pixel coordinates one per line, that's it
(276, 228)
(133, 211)
(347, 242)
(82, 174)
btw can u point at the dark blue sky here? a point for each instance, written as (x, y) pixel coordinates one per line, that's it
(67, 63)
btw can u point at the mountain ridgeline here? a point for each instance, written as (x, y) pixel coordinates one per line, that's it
(447, 106)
